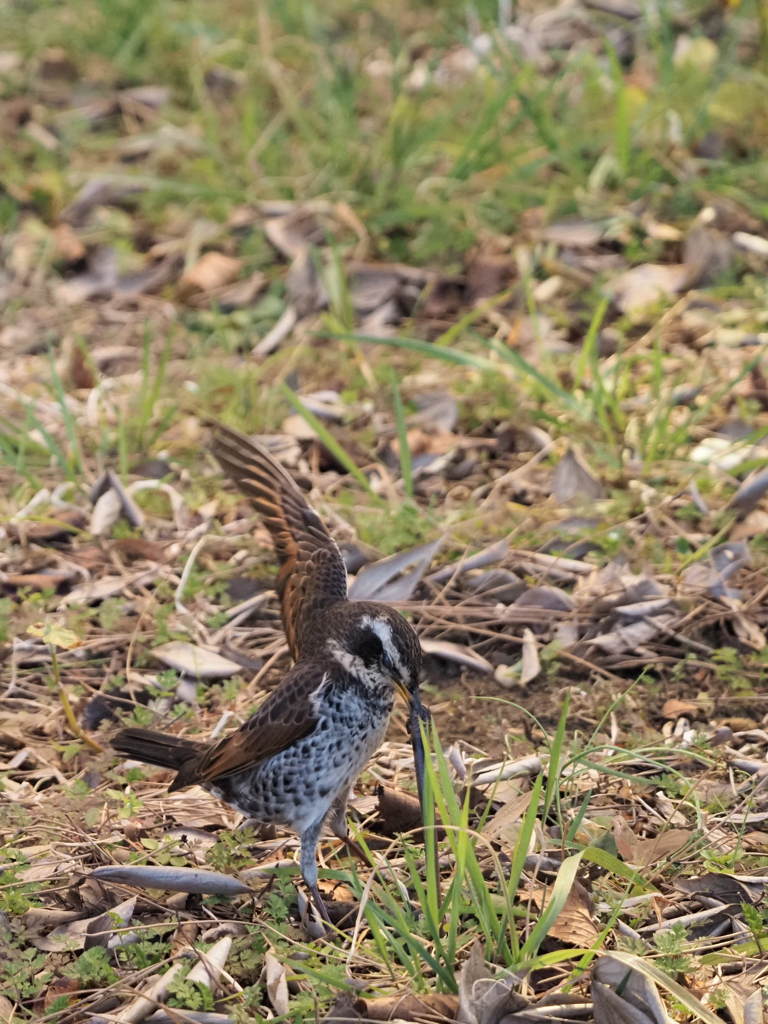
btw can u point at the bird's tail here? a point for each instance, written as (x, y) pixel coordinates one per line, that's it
(156, 748)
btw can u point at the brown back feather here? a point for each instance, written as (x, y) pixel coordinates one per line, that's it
(285, 717)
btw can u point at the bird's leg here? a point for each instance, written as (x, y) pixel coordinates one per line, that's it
(337, 823)
(308, 861)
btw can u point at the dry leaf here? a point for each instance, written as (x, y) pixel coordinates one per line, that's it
(377, 580)
(208, 969)
(294, 232)
(486, 998)
(643, 287)
(507, 815)
(195, 661)
(155, 991)
(638, 1003)
(643, 853)
(304, 288)
(68, 245)
(531, 665)
(174, 879)
(458, 653)
(708, 255)
(578, 234)
(399, 811)
(573, 479)
(57, 525)
(674, 708)
(574, 923)
(408, 1007)
(277, 986)
(213, 270)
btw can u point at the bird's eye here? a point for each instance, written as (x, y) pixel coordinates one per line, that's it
(387, 662)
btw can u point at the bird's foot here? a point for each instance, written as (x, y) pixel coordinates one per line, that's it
(320, 906)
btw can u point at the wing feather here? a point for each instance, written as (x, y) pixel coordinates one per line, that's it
(286, 717)
(312, 572)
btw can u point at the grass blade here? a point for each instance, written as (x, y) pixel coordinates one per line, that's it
(560, 892)
(402, 437)
(589, 351)
(328, 440)
(525, 369)
(555, 753)
(521, 849)
(425, 348)
(476, 313)
(69, 420)
(606, 860)
(50, 440)
(682, 995)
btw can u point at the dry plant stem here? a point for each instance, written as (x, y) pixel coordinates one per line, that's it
(74, 725)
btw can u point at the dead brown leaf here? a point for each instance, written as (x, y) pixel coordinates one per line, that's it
(68, 246)
(643, 853)
(489, 274)
(398, 810)
(507, 815)
(421, 443)
(137, 547)
(58, 526)
(58, 988)
(674, 708)
(574, 923)
(213, 270)
(35, 580)
(429, 1006)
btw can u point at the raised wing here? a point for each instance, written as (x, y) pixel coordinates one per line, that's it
(285, 717)
(312, 572)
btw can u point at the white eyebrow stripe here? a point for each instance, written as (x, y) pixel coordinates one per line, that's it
(383, 631)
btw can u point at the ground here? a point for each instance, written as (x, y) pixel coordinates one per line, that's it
(491, 284)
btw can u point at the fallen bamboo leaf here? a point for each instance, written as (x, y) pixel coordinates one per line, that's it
(531, 666)
(639, 289)
(485, 997)
(191, 880)
(459, 653)
(375, 580)
(207, 970)
(100, 930)
(487, 556)
(155, 991)
(507, 815)
(107, 586)
(213, 270)
(750, 493)
(277, 985)
(623, 996)
(195, 661)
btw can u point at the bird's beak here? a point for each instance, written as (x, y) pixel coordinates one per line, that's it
(417, 714)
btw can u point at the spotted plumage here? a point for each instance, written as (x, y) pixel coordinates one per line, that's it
(294, 760)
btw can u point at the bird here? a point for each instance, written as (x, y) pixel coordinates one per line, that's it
(293, 762)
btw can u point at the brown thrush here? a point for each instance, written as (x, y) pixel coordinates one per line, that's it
(294, 760)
